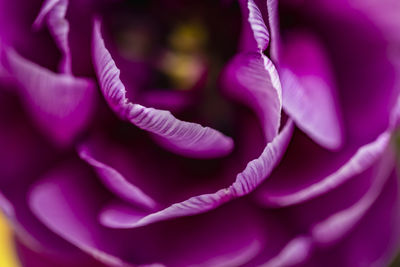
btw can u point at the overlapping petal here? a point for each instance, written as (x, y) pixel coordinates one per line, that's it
(374, 240)
(182, 137)
(309, 93)
(60, 202)
(66, 203)
(54, 11)
(113, 179)
(252, 78)
(120, 215)
(255, 35)
(368, 90)
(362, 159)
(61, 104)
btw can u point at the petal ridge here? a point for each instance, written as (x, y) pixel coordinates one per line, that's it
(189, 139)
(54, 11)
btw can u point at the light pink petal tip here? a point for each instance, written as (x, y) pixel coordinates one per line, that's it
(54, 11)
(189, 139)
(255, 35)
(60, 104)
(123, 216)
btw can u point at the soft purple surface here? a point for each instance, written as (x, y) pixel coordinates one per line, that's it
(296, 167)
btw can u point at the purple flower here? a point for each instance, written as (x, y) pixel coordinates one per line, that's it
(200, 133)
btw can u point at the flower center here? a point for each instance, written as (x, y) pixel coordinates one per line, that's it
(179, 42)
(172, 53)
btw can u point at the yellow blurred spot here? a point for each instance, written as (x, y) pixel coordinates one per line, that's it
(188, 37)
(7, 253)
(184, 70)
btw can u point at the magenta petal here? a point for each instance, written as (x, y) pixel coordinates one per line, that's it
(295, 252)
(259, 169)
(340, 223)
(186, 138)
(60, 104)
(54, 12)
(33, 258)
(117, 216)
(64, 201)
(121, 216)
(59, 200)
(309, 93)
(255, 35)
(114, 180)
(273, 23)
(361, 160)
(375, 239)
(253, 79)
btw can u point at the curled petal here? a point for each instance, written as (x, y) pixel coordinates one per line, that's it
(186, 138)
(65, 202)
(309, 94)
(114, 180)
(361, 160)
(259, 169)
(339, 224)
(54, 12)
(255, 35)
(122, 216)
(373, 241)
(60, 104)
(253, 79)
(58, 200)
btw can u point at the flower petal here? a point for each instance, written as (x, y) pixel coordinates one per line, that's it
(358, 162)
(186, 138)
(309, 93)
(54, 12)
(259, 169)
(255, 35)
(121, 216)
(340, 223)
(363, 72)
(375, 239)
(273, 23)
(295, 252)
(252, 78)
(60, 104)
(58, 200)
(113, 179)
(65, 202)
(33, 258)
